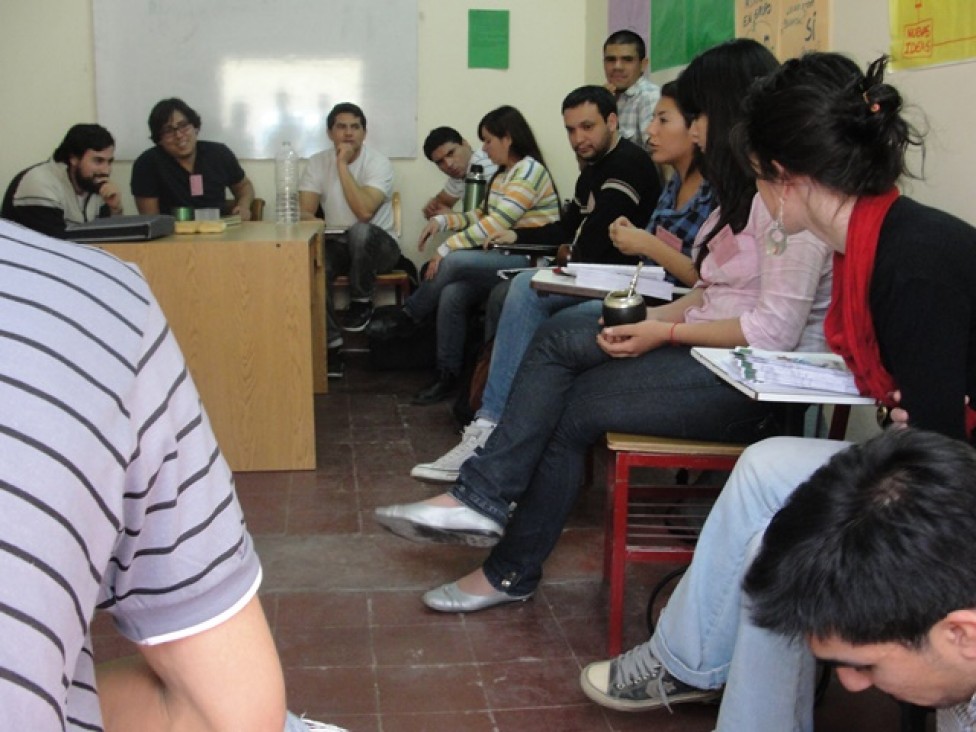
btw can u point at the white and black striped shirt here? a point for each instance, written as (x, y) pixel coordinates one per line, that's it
(113, 492)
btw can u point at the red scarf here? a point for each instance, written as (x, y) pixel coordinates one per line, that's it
(849, 326)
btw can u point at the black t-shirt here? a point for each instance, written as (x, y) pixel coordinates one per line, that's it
(156, 174)
(923, 302)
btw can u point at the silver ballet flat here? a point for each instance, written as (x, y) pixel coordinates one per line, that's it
(450, 598)
(429, 524)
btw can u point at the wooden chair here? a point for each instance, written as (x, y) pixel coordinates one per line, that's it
(398, 279)
(642, 522)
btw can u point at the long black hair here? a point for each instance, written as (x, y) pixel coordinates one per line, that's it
(714, 84)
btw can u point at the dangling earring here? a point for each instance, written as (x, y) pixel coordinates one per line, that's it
(776, 234)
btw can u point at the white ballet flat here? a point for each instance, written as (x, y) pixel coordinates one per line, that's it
(450, 598)
(429, 524)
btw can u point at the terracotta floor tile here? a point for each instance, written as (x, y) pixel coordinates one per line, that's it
(325, 647)
(358, 647)
(577, 718)
(326, 693)
(533, 683)
(525, 639)
(446, 688)
(421, 645)
(323, 510)
(322, 609)
(439, 722)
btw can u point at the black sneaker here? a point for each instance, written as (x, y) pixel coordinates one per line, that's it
(636, 681)
(336, 365)
(357, 316)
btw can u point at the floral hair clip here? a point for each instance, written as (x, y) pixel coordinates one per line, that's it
(873, 107)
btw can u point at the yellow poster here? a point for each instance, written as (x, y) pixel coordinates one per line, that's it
(930, 32)
(785, 27)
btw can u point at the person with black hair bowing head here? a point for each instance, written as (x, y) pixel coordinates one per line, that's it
(890, 523)
(827, 144)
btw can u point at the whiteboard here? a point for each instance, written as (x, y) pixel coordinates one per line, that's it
(258, 71)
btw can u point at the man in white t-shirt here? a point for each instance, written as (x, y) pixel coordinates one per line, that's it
(453, 156)
(353, 185)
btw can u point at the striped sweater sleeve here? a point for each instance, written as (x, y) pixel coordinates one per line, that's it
(525, 195)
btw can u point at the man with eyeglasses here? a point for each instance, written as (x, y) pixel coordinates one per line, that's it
(452, 155)
(72, 187)
(183, 171)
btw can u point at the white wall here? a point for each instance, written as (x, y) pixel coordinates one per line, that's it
(48, 84)
(547, 60)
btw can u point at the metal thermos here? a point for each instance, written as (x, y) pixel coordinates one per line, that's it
(474, 187)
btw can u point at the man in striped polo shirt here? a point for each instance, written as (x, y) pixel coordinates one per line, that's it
(115, 496)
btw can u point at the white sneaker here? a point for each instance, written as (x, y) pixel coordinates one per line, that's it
(294, 723)
(314, 726)
(445, 468)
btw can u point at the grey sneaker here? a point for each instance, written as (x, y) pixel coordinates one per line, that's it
(445, 468)
(636, 681)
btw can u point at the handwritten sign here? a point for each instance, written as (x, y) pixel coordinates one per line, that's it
(788, 28)
(926, 32)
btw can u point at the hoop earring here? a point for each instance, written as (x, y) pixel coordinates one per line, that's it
(776, 234)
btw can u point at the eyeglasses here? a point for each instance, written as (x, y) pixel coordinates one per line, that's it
(171, 131)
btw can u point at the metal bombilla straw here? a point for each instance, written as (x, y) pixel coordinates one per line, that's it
(633, 280)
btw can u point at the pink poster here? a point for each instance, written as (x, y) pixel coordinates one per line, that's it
(632, 15)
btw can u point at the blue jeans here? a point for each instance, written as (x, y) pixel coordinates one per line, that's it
(566, 395)
(362, 252)
(464, 280)
(524, 311)
(705, 637)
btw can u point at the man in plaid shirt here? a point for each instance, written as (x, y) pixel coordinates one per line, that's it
(624, 63)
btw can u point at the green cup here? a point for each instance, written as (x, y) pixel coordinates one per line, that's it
(183, 213)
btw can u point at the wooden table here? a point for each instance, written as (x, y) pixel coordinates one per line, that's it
(247, 307)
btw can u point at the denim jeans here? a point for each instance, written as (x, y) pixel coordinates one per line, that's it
(566, 395)
(524, 311)
(705, 637)
(362, 252)
(464, 280)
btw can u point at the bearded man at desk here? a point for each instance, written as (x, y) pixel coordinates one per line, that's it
(72, 187)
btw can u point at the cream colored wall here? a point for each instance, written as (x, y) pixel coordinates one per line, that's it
(547, 60)
(46, 52)
(555, 46)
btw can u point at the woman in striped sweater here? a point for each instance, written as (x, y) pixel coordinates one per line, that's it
(464, 269)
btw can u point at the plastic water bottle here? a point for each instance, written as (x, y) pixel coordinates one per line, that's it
(286, 185)
(474, 188)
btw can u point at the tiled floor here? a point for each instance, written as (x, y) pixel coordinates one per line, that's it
(358, 647)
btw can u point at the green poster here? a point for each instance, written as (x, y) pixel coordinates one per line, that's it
(487, 39)
(680, 29)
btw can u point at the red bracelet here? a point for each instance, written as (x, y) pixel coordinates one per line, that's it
(671, 335)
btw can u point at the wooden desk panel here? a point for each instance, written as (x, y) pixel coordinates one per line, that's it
(243, 306)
